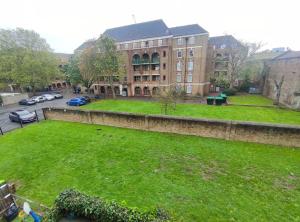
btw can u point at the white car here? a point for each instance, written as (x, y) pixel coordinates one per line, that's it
(48, 97)
(38, 99)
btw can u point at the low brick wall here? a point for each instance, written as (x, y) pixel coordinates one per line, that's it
(285, 135)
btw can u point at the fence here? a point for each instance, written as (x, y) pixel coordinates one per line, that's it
(285, 135)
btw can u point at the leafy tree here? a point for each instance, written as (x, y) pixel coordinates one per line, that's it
(72, 71)
(87, 67)
(109, 63)
(26, 59)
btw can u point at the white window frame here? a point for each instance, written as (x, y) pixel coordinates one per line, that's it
(135, 45)
(118, 46)
(189, 89)
(143, 44)
(179, 66)
(150, 43)
(178, 77)
(179, 41)
(190, 77)
(190, 65)
(160, 42)
(126, 45)
(192, 40)
(179, 51)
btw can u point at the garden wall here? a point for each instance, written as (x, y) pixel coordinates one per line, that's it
(285, 135)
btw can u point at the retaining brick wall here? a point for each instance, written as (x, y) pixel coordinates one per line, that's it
(277, 134)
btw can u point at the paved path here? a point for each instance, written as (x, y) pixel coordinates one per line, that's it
(7, 125)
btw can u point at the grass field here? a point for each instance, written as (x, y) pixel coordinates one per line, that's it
(242, 113)
(250, 100)
(195, 179)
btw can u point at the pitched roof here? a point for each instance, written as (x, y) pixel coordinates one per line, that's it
(288, 55)
(187, 30)
(227, 40)
(86, 44)
(152, 29)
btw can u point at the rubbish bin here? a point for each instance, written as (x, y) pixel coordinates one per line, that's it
(219, 100)
(224, 97)
(210, 100)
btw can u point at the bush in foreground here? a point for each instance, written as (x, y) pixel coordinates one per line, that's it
(96, 209)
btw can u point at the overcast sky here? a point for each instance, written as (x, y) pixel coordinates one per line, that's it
(65, 24)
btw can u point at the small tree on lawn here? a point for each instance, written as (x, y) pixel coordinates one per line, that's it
(109, 62)
(168, 98)
(278, 85)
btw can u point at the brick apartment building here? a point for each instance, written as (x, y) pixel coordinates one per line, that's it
(158, 56)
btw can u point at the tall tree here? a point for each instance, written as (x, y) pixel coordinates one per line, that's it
(87, 67)
(109, 62)
(237, 56)
(26, 59)
(72, 71)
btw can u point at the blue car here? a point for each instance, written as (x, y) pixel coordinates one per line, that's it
(76, 102)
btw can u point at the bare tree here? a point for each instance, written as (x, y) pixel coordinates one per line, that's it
(237, 56)
(278, 85)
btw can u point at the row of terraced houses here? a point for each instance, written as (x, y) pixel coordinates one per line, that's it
(158, 56)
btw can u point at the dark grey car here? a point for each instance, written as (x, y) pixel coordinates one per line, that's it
(23, 116)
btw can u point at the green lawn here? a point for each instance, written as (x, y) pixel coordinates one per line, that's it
(195, 179)
(243, 113)
(250, 100)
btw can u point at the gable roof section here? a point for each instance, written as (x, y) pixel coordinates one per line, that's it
(227, 40)
(288, 55)
(193, 29)
(145, 30)
(86, 44)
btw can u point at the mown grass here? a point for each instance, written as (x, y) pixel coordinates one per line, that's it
(242, 113)
(258, 100)
(195, 179)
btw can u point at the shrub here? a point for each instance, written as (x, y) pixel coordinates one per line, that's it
(230, 92)
(96, 209)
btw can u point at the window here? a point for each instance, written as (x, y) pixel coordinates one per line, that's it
(164, 66)
(191, 52)
(137, 78)
(155, 78)
(190, 65)
(164, 53)
(143, 44)
(151, 43)
(223, 46)
(126, 46)
(178, 77)
(160, 42)
(178, 66)
(189, 89)
(118, 46)
(192, 40)
(179, 53)
(135, 45)
(164, 77)
(146, 78)
(179, 41)
(190, 77)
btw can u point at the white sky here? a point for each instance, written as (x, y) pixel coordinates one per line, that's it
(65, 24)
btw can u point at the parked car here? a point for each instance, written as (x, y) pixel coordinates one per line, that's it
(86, 98)
(79, 101)
(27, 102)
(57, 95)
(48, 97)
(23, 116)
(39, 99)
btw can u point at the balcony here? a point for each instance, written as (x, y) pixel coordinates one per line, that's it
(145, 61)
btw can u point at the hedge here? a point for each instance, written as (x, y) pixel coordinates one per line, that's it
(96, 209)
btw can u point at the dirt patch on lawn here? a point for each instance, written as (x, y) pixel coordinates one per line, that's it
(289, 182)
(209, 171)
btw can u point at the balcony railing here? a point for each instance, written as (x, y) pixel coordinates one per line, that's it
(145, 61)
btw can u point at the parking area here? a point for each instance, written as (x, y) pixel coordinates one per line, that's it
(6, 125)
